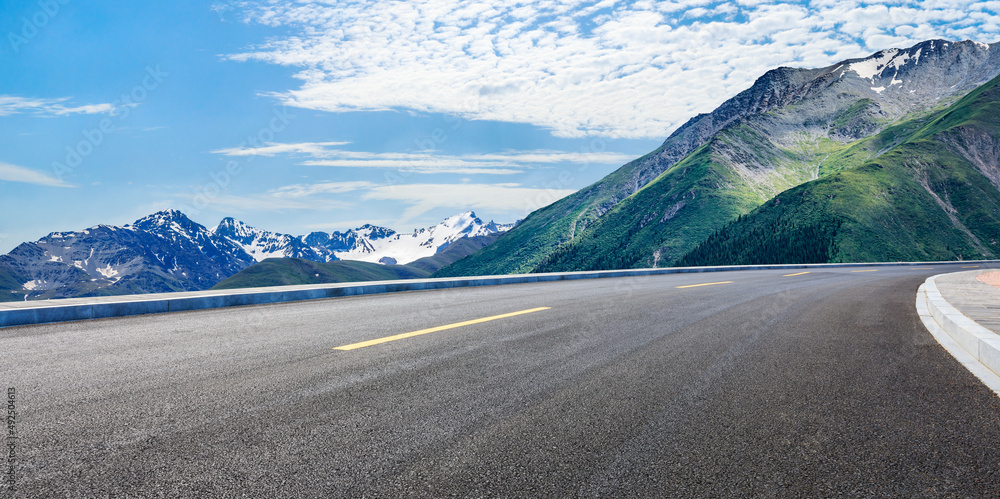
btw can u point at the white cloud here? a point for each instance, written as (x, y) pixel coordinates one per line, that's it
(421, 198)
(20, 174)
(305, 190)
(426, 165)
(87, 109)
(310, 148)
(639, 71)
(13, 104)
(425, 197)
(326, 154)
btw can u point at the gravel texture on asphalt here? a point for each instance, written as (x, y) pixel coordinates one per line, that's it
(815, 385)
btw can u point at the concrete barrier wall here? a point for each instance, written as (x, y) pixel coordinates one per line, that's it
(73, 309)
(980, 342)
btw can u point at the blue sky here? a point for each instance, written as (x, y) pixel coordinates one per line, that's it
(297, 116)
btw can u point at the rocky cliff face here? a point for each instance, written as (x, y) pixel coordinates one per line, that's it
(786, 103)
(979, 147)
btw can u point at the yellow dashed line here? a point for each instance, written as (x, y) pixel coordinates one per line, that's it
(387, 339)
(705, 284)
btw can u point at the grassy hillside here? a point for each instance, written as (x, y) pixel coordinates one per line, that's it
(546, 229)
(453, 253)
(291, 271)
(791, 127)
(933, 197)
(522, 248)
(10, 281)
(758, 144)
(740, 169)
(735, 172)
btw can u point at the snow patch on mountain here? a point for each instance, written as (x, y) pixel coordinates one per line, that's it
(368, 243)
(878, 66)
(873, 66)
(109, 272)
(259, 244)
(406, 248)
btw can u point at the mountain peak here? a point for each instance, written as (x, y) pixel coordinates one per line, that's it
(162, 218)
(373, 231)
(463, 219)
(230, 227)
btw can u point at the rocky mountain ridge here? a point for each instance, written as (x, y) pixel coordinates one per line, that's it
(934, 196)
(167, 251)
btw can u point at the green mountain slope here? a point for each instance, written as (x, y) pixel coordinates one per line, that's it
(932, 197)
(523, 248)
(10, 282)
(667, 217)
(793, 126)
(453, 253)
(738, 170)
(292, 271)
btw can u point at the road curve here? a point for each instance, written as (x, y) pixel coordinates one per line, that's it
(726, 384)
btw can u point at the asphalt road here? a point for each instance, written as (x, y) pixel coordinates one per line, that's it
(819, 384)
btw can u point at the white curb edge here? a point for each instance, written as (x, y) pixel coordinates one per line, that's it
(975, 347)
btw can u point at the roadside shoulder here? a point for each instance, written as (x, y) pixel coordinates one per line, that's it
(941, 301)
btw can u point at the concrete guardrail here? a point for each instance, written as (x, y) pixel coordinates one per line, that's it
(74, 309)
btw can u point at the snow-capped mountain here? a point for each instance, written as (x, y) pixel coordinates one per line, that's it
(162, 252)
(167, 251)
(929, 70)
(263, 244)
(316, 246)
(368, 243)
(399, 248)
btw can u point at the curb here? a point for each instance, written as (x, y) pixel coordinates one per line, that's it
(979, 347)
(74, 309)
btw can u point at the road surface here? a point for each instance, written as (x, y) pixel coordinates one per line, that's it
(752, 383)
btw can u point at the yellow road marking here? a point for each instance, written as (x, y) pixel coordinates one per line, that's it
(793, 275)
(387, 339)
(872, 270)
(705, 284)
(971, 267)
